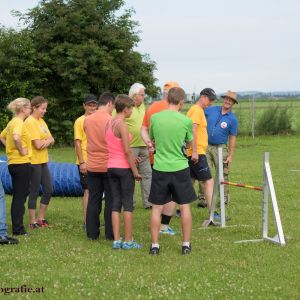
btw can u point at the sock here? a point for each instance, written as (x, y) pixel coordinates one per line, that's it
(165, 220)
(155, 245)
(187, 244)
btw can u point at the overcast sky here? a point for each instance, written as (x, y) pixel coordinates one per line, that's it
(224, 44)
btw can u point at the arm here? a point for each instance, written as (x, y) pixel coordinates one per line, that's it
(42, 144)
(194, 144)
(123, 131)
(232, 139)
(146, 138)
(82, 164)
(3, 140)
(18, 144)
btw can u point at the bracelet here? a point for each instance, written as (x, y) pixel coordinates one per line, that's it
(82, 163)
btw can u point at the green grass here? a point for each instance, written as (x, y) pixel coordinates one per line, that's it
(69, 266)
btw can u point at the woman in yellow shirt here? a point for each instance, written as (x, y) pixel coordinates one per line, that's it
(17, 143)
(41, 139)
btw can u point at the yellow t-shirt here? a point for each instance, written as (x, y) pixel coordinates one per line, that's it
(79, 134)
(38, 131)
(16, 126)
(197, 115)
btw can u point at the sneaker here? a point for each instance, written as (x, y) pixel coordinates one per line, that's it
(131, 245)
(168, 230)
(7, 240)
(34, 225)
(43, 223)
(186, 249)
(24, 233)
(154, 250)
(117, 245)
(217, 217)
(202, 203)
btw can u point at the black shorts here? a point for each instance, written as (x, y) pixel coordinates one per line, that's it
(121, 183)
(83, 179)
(172, 186)
(200, 170)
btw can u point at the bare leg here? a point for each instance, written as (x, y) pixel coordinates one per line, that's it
(186, 222)
(155, 222)
(208, 191)
(115, 217)
(32, 218)
(128, 226)
(168, 208)
(42, 212)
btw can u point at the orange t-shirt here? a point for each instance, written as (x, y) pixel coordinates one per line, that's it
(97, 153)
(154, 108)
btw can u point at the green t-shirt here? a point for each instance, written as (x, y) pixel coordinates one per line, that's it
(170, 129)
(134, 123)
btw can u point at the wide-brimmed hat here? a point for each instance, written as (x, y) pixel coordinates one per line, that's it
(232, 95)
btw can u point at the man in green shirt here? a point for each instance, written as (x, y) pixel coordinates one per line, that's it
(140, 151)
(171, 175)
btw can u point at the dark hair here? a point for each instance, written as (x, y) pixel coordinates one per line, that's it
(105, 98)
(38, 101)
(123, 101)
(175, 95)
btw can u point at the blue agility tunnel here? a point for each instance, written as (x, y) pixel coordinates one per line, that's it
(65, 179)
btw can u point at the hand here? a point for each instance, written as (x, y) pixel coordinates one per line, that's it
(195, 157)
(82, 168)
(229, 159)
(150, 147)
(137, 176)
(137, 160)
(24, 151)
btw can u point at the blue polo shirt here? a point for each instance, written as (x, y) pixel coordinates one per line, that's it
(220, 127)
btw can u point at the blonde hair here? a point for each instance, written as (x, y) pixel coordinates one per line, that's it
(16, 105)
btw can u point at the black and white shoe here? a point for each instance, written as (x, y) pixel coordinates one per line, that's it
(154, 250)
(186, 249)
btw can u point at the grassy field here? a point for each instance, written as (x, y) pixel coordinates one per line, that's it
(243, 112)
(69, 266)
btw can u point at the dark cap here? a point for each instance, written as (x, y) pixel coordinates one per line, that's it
(210, 93)
(90, 99)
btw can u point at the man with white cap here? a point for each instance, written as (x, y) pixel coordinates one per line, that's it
(222, 126)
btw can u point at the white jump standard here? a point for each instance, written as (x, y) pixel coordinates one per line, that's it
(267, 188)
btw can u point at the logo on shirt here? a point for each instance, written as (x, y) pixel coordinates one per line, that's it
(223, 125)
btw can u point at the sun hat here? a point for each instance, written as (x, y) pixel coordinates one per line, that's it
(232, 95)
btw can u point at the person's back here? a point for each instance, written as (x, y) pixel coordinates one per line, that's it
(97, 152)
(169, 128)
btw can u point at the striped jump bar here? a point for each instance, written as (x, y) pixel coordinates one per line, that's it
(257, 188)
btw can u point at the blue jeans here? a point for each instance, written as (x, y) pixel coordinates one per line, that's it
(3, 225)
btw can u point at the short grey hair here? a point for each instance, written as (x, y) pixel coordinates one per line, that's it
(135, 89)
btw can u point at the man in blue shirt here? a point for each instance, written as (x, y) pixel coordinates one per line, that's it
(222, 127)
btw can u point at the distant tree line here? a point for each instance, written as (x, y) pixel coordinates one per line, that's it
(68, 49)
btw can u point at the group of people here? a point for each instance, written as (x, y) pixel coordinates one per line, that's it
(117, 142)
(26, 139)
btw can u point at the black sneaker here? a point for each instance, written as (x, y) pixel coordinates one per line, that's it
(186, 249)
(154, 250)
(7, 240)
(24, 233)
